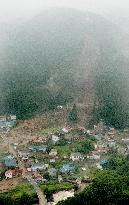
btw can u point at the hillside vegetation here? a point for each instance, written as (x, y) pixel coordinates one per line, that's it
(63, 56)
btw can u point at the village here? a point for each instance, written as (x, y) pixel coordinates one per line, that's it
(58, 155)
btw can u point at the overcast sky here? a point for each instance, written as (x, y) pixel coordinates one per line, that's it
(12, 9)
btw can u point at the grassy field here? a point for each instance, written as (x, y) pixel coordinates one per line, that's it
(21, 189)
(54, 187)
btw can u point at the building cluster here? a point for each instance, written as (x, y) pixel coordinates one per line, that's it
(43, 160)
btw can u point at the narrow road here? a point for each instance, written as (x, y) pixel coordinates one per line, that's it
(41, 196)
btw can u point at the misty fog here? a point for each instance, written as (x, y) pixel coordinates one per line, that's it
(52, 50)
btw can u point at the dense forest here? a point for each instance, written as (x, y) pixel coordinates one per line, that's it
(44, 61)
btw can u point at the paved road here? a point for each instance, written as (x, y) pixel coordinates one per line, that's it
(41, 196)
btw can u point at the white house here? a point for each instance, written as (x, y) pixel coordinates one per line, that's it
(66, 130)
(94, 156)
(76, 156)
(9, 174)
(53, 153)
(55, 139)
(98, 166)
(13, 117)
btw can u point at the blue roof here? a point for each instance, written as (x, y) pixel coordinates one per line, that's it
(7, 123)
(104, 163)
(37, 148)
(10, 162)
(67, 168)
(37, 166)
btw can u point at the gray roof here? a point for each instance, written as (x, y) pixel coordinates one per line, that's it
(10, 163)
(76, 154)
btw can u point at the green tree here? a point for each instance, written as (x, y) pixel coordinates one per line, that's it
(73, 114)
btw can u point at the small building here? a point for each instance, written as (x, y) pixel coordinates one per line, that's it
(52, 172)
(13, 117)
(67, 168)
(37, 166)
(25, 158)
(99, 128)
(99, 166)
(60, 179)
(111, 132)
(10, 173)
(23, 154)
(53, 153)
(98, 137)
(10, 162)
(3, 118)
(55, 139)
(104, 163)
(94, 156)
(66, 129)
(38, 148)
(59, 107)
(38, 177)
(52, 160)
(76, 157)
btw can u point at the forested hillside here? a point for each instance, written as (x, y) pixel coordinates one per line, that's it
(45, 60)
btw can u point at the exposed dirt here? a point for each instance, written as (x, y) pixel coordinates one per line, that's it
(8, 184)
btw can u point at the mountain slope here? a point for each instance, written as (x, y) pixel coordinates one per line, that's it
(47, 59)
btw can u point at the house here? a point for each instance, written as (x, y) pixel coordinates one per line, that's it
(94, 156)
(59, 107)
(98, 137)
(37, 166)
(88, 132)
(10, 161)
(99, 166)
(10, 124)
(3, 118)
(67, 168)
(38, 148)
(13, 117)
(23, 154)
(111, 132)
(66, 129)
(25, 158)
(78, 181)
(52, 160)
(76, 156)
(95, 146)
(112, 143)
(15, 172)
(10, 173)
(52, 172)
(9, 157)
(83, 169)
(53, 153)
(55, 139)
(60, 179)
(38, 177)
(99, 128)
(104, 163)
